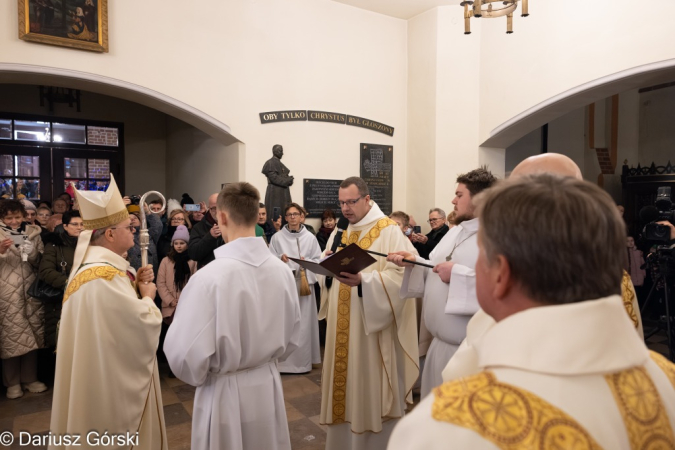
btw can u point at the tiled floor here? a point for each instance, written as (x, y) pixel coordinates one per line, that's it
(301, 392)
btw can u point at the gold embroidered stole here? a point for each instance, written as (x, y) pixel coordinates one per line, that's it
(628, 296)
(342, 324)
(87, 275)
(513, 418)
(509, 417)
(642, 410)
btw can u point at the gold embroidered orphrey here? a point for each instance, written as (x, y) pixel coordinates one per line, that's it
(628, 296)
(342, 325)
(641, 408)
(84, 277)
(509, 417)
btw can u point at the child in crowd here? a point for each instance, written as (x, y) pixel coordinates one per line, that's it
(174, 272)
(21, 316)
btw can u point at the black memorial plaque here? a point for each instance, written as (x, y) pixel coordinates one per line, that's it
(319, 195)
(377, 165)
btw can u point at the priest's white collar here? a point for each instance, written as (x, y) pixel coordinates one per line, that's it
(374, 214)
(589, 337)
(249, 250)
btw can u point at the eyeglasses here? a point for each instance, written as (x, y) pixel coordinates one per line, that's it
(77, 225)
(213, 209)
(433, 220)
(292, 214)
(131, 228)
(349, 203)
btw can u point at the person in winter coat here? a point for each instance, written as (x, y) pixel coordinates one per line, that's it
(174, 272)
(21, 327)
(206, 236)
(176, 217)
(56, 264)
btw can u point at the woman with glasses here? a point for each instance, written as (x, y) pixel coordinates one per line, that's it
(43, 215)
(177, 217)
(56, 264)
(294, 241)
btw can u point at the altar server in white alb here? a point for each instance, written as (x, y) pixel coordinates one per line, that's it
(371, 360)
(449, 290)
(562, 367)
(106, 369)
(236, 317)
(296, 241)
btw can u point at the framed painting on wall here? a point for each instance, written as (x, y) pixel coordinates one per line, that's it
(79, 24)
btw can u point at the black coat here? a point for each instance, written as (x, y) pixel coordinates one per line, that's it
(434, 237)
(278, 180)
(202, 244)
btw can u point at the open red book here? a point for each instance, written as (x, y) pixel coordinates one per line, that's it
(351, 259)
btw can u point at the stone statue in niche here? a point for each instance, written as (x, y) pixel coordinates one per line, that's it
(278, 194)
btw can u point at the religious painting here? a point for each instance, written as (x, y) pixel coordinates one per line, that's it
(81, 24)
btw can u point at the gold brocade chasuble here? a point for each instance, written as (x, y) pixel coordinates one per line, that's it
(371, 359)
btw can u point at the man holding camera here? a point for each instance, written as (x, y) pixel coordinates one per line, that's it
(562, 367)
(425, 244)
(206, 236)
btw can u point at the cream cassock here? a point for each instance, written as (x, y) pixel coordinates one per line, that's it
(371, 359)
(106, 369)
(235, 318)
(446, 308)
(309, 349)
(565, 376)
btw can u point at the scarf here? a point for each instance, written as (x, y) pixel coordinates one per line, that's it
(326, 231)
(181, 273)
(18, 231)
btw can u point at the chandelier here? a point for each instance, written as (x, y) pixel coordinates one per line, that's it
(492, 8)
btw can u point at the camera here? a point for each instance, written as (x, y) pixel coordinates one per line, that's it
(135, 199)
(662, 210)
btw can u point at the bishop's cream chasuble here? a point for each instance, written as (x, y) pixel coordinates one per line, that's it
(446, 307)
(371, 355)
(106, 369)
(465, 360)
(570, 376)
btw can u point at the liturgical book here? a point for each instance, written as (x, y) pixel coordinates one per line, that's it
(351, 259)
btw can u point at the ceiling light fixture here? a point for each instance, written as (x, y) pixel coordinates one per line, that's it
(490, 9)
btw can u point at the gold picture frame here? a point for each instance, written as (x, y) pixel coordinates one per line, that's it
(81, 24)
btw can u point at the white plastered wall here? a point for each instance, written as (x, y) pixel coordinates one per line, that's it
(234, 59)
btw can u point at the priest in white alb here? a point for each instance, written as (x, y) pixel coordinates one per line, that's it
(562, 367)
(106, 369)
(236, 317)
(295, 241)
(371, 355)
(449, 291)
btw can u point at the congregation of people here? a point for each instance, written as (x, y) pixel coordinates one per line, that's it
(506, 347)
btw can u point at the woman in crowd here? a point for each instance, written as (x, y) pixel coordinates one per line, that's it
(328, 221)
(174, 272)
(43, 215)
(177, 216)
(60, 206)
(31, 211)
(21, 327)
(56, 264)
(295, 241)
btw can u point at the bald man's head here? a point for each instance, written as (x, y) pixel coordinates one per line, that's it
(553, 163)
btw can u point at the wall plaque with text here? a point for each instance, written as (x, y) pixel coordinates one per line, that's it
(318, 195)
(370, 124)
(324, 116)
(377, 170)
(283, 116)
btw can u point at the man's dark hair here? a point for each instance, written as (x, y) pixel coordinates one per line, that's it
(261, 205)
(240, 201)
(68, 216)
(294, 205)
(358, 182)
(11, 206)
(157, 202)
(477, 180)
